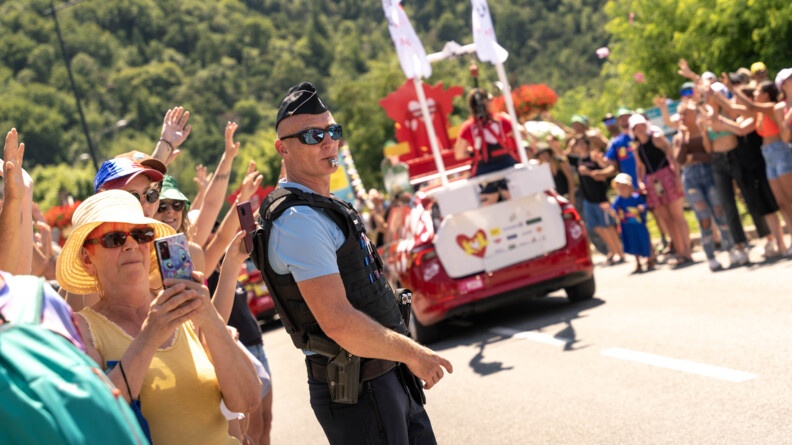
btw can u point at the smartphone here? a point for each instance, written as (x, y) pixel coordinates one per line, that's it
(173, 257)
(245, 214)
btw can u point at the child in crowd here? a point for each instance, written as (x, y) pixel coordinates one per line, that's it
(629, 208)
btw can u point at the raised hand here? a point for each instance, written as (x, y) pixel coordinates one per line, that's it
(231, 148)
(250, 183)
(236, 253)
(172, 307)
(202, 178)
(13, 176)
(685, 71)
(43, 239)
(175, 128)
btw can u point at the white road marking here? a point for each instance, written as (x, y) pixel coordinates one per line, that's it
(531, 335)
(702, 369)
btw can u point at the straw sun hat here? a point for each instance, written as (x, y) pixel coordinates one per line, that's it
(112, 206)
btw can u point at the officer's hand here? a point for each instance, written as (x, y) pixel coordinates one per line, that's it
(428, 366)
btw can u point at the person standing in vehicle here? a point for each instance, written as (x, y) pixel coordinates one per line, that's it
(488, 138)
(326, 279)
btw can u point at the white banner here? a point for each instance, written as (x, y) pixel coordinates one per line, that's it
(487, 48)
(412, 56)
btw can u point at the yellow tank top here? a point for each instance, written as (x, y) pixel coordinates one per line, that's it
(183, 413)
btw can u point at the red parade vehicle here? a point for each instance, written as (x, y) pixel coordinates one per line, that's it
(258, 297)
(459, 257)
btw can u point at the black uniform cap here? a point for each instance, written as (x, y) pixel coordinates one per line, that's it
(301, 99)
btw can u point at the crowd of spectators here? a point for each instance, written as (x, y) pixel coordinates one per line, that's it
(729, 143)
(190, 361)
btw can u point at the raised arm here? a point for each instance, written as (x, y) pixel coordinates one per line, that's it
(11, 215)
(660, 102)
(235, 255)
(202, 180)
(230, 225)
(218, 186)
(235, 373)
(764, 107)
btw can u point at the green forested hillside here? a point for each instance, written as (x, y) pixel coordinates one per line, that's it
(233, 60)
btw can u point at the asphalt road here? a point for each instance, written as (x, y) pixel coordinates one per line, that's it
(668, 357)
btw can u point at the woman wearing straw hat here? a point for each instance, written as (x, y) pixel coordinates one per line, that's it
(158, 343)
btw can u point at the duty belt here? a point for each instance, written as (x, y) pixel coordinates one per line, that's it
(369, 369)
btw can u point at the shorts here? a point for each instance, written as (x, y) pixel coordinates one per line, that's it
(258, 351)
(778, 157)
(667, 189)
(595, 216)
(493, 187)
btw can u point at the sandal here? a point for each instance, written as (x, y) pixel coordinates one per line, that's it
(682, 262)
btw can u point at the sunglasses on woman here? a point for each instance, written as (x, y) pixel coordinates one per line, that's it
(112, 240)
(313, 136)
(152, 195)
(177, 206)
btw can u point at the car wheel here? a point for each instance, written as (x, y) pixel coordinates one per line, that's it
(581, 291)
(425, 334)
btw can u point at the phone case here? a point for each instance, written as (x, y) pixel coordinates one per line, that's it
(248, 224)
(173, 256)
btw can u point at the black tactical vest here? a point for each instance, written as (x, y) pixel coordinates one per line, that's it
(358, 263)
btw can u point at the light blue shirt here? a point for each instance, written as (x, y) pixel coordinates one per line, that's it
(303, 241)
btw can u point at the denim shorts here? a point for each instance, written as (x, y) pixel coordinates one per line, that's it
(258, 351)
(595, 216)
(778, 158)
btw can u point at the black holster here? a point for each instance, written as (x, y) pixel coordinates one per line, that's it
(343, 377)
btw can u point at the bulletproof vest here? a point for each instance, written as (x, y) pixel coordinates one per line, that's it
(358, 262)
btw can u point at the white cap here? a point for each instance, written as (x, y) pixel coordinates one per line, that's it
(636, 119)
(709, 75)
(721, 88)
(782, 76)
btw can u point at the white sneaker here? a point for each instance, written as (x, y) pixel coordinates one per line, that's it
(738, 258)
(714, 265)
(770, 250)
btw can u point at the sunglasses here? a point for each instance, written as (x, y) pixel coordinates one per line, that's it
(687, 92)
(611, 121)
(313, 136)
(177, 206)
(152, 195)
(112, 240)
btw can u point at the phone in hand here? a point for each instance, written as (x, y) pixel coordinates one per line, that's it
(245, 214)
(173, 257)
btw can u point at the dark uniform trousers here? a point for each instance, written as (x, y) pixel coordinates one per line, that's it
(385, 414)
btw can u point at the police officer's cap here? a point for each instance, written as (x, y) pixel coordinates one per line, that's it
(301, 99)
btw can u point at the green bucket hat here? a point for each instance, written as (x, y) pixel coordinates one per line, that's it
(622, 111)
(580, 119)
(170, 190)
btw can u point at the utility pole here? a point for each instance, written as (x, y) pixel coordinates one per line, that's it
(91, 151)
